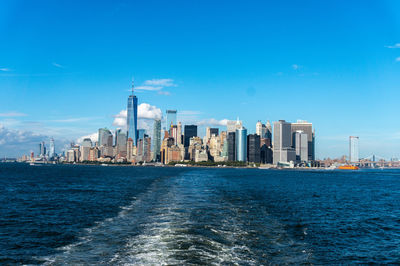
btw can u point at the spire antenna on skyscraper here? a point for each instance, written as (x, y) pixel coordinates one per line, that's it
(133, 85)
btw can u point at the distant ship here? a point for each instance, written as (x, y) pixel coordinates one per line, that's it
(348, 167)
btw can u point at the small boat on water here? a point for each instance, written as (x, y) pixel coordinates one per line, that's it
(347, 167)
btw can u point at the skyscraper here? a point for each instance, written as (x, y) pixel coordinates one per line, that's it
(179, 133)
(131, 118)
(87, 142)
(42, 149)
(268, 131)
(104, 137)
(353, 149)
(140, 133)
(129, 150)
(301, 146)
(189, 131)
(231, 126)
(156, 140)
(241, 144)
(84, 149)
(174, 133)
(231, 139)
(170, 119)
(120, 142)
(283, 151)
(253, 148)
(52, 148)
(306, 127)
(261, 129)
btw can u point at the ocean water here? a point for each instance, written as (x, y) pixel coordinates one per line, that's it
(64, 214)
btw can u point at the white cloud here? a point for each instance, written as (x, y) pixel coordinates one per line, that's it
(189, 112)
(145, 111)
(120, 119)
(148, 111)
(160, 82)
(212, 122)
(57, 65)
(94, 137)
(157, 85)
(15, 142)
(12, 114)
(397, 45)
(148, 88)
(164, 93)
(5, 69)
(398, 59)
(73, 120)
(295, 66)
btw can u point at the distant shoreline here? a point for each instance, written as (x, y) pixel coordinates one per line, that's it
(205, 166)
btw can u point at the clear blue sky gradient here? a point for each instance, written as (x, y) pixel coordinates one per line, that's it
(74, 60)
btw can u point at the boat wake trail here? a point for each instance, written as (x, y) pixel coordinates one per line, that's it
(185, 219)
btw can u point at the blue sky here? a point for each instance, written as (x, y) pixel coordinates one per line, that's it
(66, 67)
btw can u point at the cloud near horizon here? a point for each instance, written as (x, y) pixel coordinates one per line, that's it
(15, 142)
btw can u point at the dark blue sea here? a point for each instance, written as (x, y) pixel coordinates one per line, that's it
(65, 214)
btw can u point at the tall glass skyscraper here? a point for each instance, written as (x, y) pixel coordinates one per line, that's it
(170, 119)
(42, 149)
(52, 152)
(353, 156)
(241, 144)
(131, 119)
(156, 140)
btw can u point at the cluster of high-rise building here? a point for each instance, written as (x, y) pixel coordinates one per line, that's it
(288, 143)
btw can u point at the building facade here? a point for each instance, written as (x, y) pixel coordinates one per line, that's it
(241, 144)
(282, 147)
(170, 118)
(120, 143)
(353, 149)
(52, 151)
(231, 140)
(253, 148)
(156, 140)
(104, 137)
(231, 126)
(307, 128)
(131, 119)
(301, 146)
(189, 132)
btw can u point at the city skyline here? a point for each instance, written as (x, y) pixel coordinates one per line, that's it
(252, 65)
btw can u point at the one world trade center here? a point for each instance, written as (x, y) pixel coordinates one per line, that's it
(132, 117)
